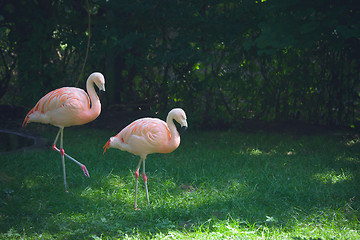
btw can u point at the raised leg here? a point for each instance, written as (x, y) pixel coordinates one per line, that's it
(83, 167)
(57, 136)
(145, 182)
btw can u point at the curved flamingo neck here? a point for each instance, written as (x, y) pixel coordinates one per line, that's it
(95, 105)
(175, 136)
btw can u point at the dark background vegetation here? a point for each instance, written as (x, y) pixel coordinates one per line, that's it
(222, 61)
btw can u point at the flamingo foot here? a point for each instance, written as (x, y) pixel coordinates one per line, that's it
(83, 167)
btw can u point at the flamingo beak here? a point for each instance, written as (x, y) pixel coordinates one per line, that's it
(183, 129)
(107, 146)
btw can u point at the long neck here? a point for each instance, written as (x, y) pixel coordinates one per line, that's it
(94, 99)
(175, 136)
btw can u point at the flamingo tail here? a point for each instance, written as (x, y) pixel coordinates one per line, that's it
(27, 118)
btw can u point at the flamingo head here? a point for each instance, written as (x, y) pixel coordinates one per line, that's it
(114, 142)
(180, 117)
(99, 80)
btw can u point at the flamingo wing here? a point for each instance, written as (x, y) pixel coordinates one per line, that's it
(56, 106)
(144, 136)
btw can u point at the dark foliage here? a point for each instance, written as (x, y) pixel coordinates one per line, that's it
(222, 62)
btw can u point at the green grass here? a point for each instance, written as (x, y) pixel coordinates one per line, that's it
(216, 185)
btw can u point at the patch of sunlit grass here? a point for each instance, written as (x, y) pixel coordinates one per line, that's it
(333, 177)
(255, 152)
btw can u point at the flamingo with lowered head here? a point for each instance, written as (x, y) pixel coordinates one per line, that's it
(149, 135)
(68, 106)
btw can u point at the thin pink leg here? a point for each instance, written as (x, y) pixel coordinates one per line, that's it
(62, 153)
(136, 188)
(146, 188)
(136, 180)
(83, 167)
(145, 182)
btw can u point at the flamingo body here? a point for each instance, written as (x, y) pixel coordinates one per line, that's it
(149, 135)
(145, 136)
(68, 106)
(57, 106)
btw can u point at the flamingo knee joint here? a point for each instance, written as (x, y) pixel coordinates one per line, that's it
(144, 177)
(62, 151)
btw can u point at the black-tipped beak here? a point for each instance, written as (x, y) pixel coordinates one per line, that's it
(183, 129)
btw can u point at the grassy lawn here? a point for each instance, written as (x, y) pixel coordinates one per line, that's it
(216, 185)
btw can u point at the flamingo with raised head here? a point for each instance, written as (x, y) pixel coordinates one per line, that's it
(149, 135)
(68, 106)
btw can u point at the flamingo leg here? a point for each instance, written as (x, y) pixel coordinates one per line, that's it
(136, 181)
(62, 153)
(83, 167)
(57, 136)
(145, 182)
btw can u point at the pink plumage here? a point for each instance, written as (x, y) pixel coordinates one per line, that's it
(149, 135)
(68, 106)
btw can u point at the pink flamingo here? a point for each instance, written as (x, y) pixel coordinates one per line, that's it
(68, 106)
(149, 135)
